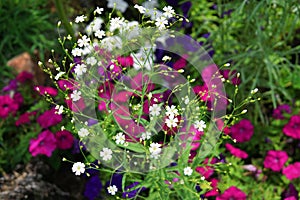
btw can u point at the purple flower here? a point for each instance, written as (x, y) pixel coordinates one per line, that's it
(280, 110)
(93, 187)
(275, 160)
(13, 85)
(290, 192)
(44, 144)
(7, 106)
(76, 146)
(116, 180)
(132, 193)
(242, 131)
(232, 193)
(292, 128)
(64, 139)
(24, 76)
(49, 118)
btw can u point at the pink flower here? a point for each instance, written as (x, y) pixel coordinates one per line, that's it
(44, 144)
(278, 112)
(42, 90)
(292, 171)
(75, 106)
(221, 127)
(24, 118)
(7, 106)
(206, 171)
(18, 98)
(242, 131)
(24, 76)
(275, 160)
(141, 80)
(231, 75)
(214, 191)
(180, 63)
(64, 139)
(49, 118)
(125, 61)
(236, 151)
(232, 193)
(290, 198)
(67, 84)
(292, 128)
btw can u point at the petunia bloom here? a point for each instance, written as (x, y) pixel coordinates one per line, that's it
(45, 144)
(292, 171)
(7, 106)
(290, 193)
(278, 112)
(236, 151)
(49, 118)
(43, 90)
(232, 193)
(24, 118)
(275, 160)
(24, 76)
(242, 131)
(292, 128)
(64, 139)
(93, 188)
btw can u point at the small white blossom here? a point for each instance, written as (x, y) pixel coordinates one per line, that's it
(94, 26)
(116, 23)
(59, 75)
(187, 171)
(98, 11)
(141, 9)
(80, 69)
(120, 138)
(75, 96)
(77, 52)
(111, 43)
(60, 109)
(171, 121)
(166, 58)
(84, 41)
(83, 132)
(154, 110)
(99, 34)
(200, 125)
(171, 111)
(155, 150)
(169, 11)
(186, 100)
(146, 136)
(80, 18)
(91, 61)
(106, 154)
(112, 189)
(78, 168)
(161, 22)
(121, 5)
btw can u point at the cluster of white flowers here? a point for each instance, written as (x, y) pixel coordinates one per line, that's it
(155, 150)
(106, 154)
(75, 96)
(154, 110)
(91, 61)
(112, 189)
(200, 125)
(80, 19)
(120, 138)
(171, 111)
(59, 109)
(116, 23)
(146, 136)
(120, 5)
(80, 69)
(78, 168)
(83, 132)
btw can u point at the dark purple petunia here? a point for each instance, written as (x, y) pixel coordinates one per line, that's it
(93, 188)
(7, 106)
(280, 110)
(13, 85)
(132, 193)
(290, 192)
(76, 146)
(64, 139)
(49, 118)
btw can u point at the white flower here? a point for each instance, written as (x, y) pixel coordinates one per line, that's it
(78, 168)
(155, 150)
(98, 11)
(59, 75)
(169, 11)
(91, 61)
(121, 5)
(161, 22)
(83, 132)
(77, 52)
(166, 58)
(84, 41)
(120, 138)
(200, 125)
(116, 23)
(60, 109)
(75, 96)
(106, 154)
(111, 43)
(94, 26)
(130, 29)
(154, 110)
(171, 111)
(99, 34)
(80, 69)
(146, 136)
(186, 100)
(187, 171)
(141, 9)
(80, 18)
(112, 189)
(171, 121)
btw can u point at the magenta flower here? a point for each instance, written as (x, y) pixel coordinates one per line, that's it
(236, 151)
(49, 118)
(75, 106)
(275, 160)
(7, 106)
(214, 191)
(292, 128)
(292, 171)
(278, 112)
(45, 144)
(18, 98)
(64, 139)
(24, 76)
(67, 84)
(231, 75)
(242, 131)
(43, 90)
(232, 193)
(125, 61)
(24, 118)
